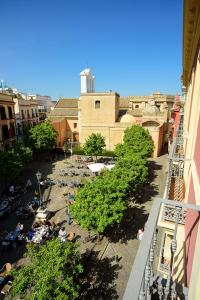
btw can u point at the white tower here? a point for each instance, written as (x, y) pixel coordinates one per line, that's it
(87, 81)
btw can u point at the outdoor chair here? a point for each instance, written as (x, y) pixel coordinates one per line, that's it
(70, 236)
(78, 158)
(6, 289)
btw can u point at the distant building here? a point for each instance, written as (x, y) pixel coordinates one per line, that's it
(110, 115)
(64, 118)
(26, 112)
(45, 105)
(7, 120)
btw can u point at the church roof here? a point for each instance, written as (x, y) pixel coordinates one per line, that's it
(67, 103)
(64, 112)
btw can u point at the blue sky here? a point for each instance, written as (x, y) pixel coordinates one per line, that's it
(133, 47)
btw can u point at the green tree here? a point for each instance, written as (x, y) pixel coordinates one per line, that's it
(52, 273)
(13, 160)
(43, 136)
(137, 141)
(98, 204)
(94, 145)
(102, 202)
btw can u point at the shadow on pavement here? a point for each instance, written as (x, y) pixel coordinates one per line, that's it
(136, 215)
(8, 223)
(98, 279)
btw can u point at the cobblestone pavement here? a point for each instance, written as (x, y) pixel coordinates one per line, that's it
(109, 265)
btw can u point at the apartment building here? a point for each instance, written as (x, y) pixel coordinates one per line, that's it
(7, 120)
(26, 112)
(167, 264)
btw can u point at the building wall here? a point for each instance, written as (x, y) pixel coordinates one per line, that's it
(7, 122)
(61, 127)
(106, 114)
(26, 112)
(192, 223)
(114, 135)
(66, 130)
(191, 80)
(104, 120)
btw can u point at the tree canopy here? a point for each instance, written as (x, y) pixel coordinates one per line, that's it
(13, 160)
(101, 202)
(43, 136)
(137, 141)
(94, 144)
(52, 273)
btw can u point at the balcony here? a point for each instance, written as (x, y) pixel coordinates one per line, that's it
(175, 183)
(152, 278)
(159, 267)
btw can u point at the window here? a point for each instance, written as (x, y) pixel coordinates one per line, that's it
(10, 112)
(75, 125)
(23, 116)
(97, 104)
(5, 132)
(137, 106)
(3, 113)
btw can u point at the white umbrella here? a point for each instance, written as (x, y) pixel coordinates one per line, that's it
(98, 167)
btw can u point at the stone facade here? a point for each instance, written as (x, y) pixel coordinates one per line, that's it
(26, 112)
(110, 115)
(7, 120)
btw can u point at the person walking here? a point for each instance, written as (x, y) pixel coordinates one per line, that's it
(140, 234)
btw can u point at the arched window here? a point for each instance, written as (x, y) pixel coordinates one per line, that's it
(97, 104)
(137, 106)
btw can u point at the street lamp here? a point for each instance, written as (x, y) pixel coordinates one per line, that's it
(72, 141)
(39, 176)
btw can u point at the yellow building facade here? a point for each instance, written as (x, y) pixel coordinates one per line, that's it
(7, 120)
(108, 114)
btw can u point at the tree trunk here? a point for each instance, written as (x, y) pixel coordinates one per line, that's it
(100, 237)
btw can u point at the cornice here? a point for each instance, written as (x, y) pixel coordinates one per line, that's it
(191, 36)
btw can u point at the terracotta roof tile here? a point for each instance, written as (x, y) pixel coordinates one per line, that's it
(67, 103)
(64, 112)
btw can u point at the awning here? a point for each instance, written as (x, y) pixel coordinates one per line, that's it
(95, 168)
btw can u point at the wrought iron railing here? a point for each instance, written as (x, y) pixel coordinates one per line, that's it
(176, 165)
(144, 282)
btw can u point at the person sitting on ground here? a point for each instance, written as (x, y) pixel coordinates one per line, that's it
(29, 185)
(30, 234)
(36, 193)
(11, 189)
(62, 235)
(19, 227)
